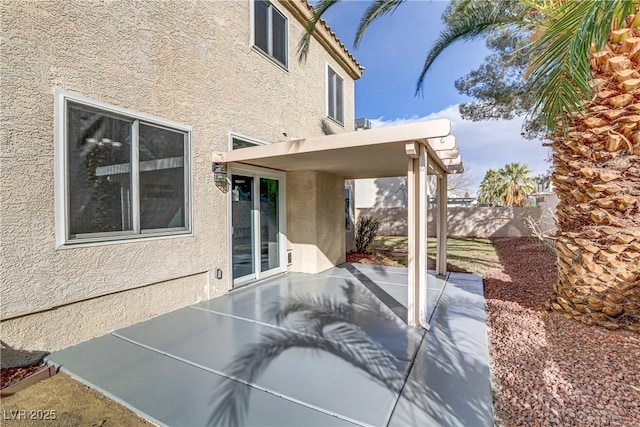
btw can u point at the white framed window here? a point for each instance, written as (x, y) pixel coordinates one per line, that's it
(270, 33)
(119, 174)
(335, 98)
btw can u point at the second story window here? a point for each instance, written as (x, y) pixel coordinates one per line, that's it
(335, 108)
(270, 31)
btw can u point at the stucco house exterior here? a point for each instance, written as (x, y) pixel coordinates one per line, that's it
(156, 154)
(111, 110)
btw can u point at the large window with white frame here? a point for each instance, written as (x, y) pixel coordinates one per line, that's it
(270, 31)
(120, 174)
(335, 106)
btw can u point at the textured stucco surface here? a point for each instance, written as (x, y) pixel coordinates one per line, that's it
(189, 62)
(70, 324)
(315, 216)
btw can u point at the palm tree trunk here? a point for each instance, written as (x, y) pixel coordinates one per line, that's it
(597, 178)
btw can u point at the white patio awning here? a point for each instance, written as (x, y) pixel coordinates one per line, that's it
(373, 153)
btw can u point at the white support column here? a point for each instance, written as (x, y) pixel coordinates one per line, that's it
(421, 249)
(413, 172)
(417, 224)
(441, 226)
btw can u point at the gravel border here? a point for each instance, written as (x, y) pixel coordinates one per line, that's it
(547, 370)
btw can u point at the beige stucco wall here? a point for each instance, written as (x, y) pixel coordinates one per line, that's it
(461, 221)
(189, 62)
(66, 325)
(315, 217)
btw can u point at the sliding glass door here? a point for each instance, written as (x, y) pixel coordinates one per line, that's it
(242, 242)
(256, 226)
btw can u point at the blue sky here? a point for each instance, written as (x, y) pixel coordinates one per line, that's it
(393, 51)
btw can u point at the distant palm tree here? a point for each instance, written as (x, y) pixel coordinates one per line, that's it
(516, 184)
(490, 189)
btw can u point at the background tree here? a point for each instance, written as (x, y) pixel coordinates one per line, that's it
(508, 186)
(490, 189)
(517, 184)
(498, 86)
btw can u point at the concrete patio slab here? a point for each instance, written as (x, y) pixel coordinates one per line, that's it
(261, 303)
(167, 391)
(301, 350)
(449, 383)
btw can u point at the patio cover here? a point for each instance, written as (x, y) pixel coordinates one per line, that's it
(414, 150)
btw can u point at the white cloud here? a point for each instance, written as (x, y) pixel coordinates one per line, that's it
(485, 145)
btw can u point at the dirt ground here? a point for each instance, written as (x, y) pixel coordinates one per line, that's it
(62, 401)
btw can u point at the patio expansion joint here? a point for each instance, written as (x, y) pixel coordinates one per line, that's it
(377, 281)
(406, 378)
(240, 380)
(107, 393)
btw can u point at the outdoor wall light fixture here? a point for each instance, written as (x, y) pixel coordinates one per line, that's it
(219, 175)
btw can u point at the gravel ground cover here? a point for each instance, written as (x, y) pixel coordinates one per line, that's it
(9, 376)
(547, 370)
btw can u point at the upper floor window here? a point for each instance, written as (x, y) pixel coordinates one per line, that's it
(335, 108)
(270, 31)
(120, 174)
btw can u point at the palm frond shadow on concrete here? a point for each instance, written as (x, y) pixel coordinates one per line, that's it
(319, 322)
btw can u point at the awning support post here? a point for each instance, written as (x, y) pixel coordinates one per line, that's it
(441, 226)
(417, 225)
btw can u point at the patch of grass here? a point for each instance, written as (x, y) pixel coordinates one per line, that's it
(463, 255)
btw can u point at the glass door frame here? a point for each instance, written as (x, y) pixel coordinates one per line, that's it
(256, 173)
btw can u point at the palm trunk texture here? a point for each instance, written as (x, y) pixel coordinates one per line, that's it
(597, 178)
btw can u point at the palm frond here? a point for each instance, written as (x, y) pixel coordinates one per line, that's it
(560, 73)
(376, 10)
(474, 19)
(305, 42)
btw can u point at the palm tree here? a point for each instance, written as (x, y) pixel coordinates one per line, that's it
(516, 184)
(490, 189)
(585, 74)
(596, 148)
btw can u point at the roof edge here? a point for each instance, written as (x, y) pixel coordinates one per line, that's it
(303, 12)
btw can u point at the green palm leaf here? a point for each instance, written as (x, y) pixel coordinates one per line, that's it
(560, 72)
(376, 10)
(305, 42)
(475, 19)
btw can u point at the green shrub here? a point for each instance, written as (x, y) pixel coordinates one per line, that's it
(366, 230)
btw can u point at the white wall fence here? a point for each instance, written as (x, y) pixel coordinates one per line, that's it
(467, 221)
